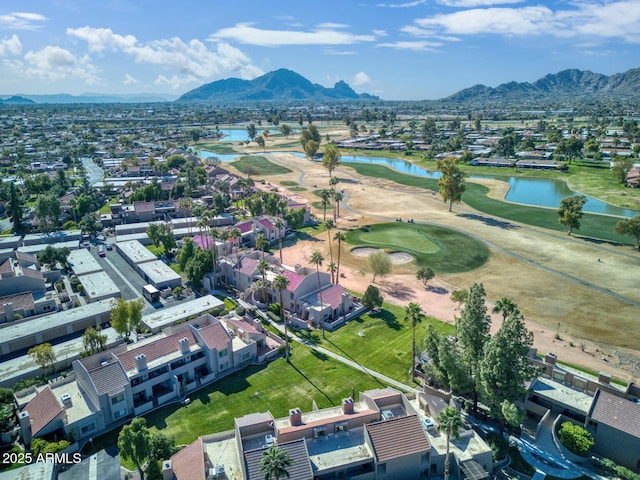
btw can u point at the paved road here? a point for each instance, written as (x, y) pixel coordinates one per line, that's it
(94, 173)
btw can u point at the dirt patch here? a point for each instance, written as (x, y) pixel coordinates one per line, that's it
(397, 258)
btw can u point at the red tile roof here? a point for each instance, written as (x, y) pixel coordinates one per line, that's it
(203, 242)
(155, 350)
(188, 463)
(333, 295)
(616, 412)
(244, 227)
(244, 325)
(215, 336)
(266, 224)
(19, 301)
(43, 409)
(397, 438)
(294, 280)
(248, 265)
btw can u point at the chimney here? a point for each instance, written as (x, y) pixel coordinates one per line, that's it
(550, 359)
(604, 378)
(167, 470)
(347, 406)
(183, 345)
(25, 426)
(141, 362)
(295, 417)
(8, 312)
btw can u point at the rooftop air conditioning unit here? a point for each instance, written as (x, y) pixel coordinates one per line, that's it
(65, 398)
(219, 470)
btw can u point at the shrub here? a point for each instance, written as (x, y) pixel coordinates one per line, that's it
(275, 308)
(499, 445)
(59, 287)
(575, 438)
(240, 311)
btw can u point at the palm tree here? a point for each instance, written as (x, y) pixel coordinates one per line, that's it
(325, 196)
(214, 233)
(339, 236)
(262, 267)
(331, 268)
(279, 224)
(449, 422)
(337, 198)
(261, 243)
(328, 224)
(224, 237)
(506, 306)
(235, 236)
(413, 313)
(281, 283)
(317, 259)
(274, 463)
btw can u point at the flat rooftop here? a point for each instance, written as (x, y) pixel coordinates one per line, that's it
(169, 315)
(135, 251)
(32, 326)
(158, 272)
(338, 449)
(98, 285)
(222, 449)
(562, 394)
(78, 409)
(33, 249)
(83, 262)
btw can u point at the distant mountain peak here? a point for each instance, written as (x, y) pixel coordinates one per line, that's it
(279, 85)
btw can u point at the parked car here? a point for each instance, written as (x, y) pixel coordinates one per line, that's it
(101, 252)
(109, 247)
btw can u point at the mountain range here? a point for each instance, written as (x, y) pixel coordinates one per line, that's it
(280, 85)
(572, 82)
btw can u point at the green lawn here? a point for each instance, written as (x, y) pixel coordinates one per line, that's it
(275, 387)
(221, 148)
(593, 225)
(442, 249)
(293, 186)
(258, 165)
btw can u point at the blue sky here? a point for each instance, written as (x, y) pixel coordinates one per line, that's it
(399, 50)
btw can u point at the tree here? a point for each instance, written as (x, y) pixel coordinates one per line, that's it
(506, 306)
(261, 142)
(472, 329)
(153, 470)
(505, 368)
(94, 341)
(281, 283)
(451, 183)
(285, 129)
(16, 208)
(43, 355)
(424, 275)
(126, 316)
(274, 463)
(413, 313)
(252, 132)
(570, 211)
(337, 199)
(449, 422)
(631, 227)
(569, 148)
(511, 413)
(52, 257)
(459, 296)
(325, 198)
(48, 211)
(311, 148)
(575, 438)
(262, 267)
(372, 298)
(331, 158)
(378, 264)
(339, 237)
(317, 259)
(198, 265)
(279, 224)
(328, 224)
(134, 443)
(186, 252)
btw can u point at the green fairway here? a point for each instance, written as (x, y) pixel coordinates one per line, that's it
(592, 225)
(439, 248)
(258, 165)
(221, 148)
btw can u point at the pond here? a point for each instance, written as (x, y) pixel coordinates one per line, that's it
(240, 134)
(540, 192)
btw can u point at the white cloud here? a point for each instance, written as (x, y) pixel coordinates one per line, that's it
(600, 19)
(246, 33)
(55, 63)
(10, 46)
(361, 78)
(129, 79)
(330, 25)
(421, 45)
(380, 33)
(22, 21)
(100, 39)
(331, 51)
(191, 61)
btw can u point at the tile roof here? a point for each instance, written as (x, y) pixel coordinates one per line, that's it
(266, 224)
(27, 272)
(333, 295)
(155, 350)
(244, 325)
(19, 301)
(248, 265)
(43, 409)
(616, 412)
(144, 206)
(6, 266)
(203, 242)
(109, 378)
(244, 227)
(294, 280)
(397, 437)
(188, 463)
(300, 468)
(215, 336)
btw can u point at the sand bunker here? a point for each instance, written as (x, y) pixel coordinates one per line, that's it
(397, 258)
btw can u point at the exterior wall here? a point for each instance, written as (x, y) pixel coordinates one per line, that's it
(20, 284)
(622, 448)
(85, 427)
(245, 355)
(407, 467)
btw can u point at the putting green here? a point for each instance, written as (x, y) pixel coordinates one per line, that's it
(442, 249)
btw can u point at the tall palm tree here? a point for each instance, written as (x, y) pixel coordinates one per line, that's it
(413, 313)
(274, 463)
(261, 243)
(325, 197)
(262, 267)
(279, 224)
(235, 237)
(506, 306)
(328, 224)
(317, 259)
(339, 236)
(449, 422)
(281, 283)
(337, 198)
(331, 268)
(214, 233)
(224, 237)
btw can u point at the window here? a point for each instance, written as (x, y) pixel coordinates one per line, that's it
(246, 356)
(87, 428)
(117, 399)
(120, 413)
(223, 353)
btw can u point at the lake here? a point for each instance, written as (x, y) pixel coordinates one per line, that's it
(540, 192)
